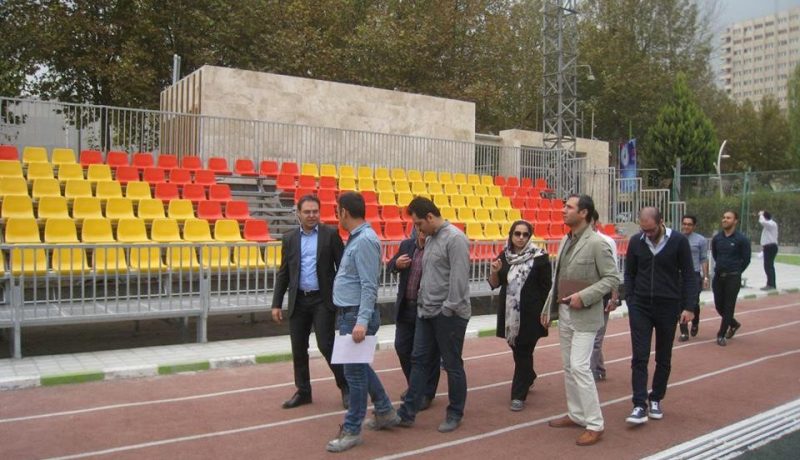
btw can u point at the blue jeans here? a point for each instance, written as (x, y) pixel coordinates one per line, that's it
(361, 378)
(446, 333)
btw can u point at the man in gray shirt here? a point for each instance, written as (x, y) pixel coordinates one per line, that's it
(443, 312)
(699, 247)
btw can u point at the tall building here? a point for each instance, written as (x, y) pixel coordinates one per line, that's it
(759, 56)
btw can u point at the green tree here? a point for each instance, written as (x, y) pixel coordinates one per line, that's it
(681, 130)
(794, 116)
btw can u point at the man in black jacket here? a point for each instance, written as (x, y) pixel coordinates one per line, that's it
(660, 281)
(310, 257)
(408, 262)
(731, 252)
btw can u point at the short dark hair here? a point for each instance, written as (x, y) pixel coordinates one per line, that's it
(353, 203)
(514, 225)
(767, 215)
(306, 198)
(595, 216)
(735, 214)
(585, 203)
(690, 217)
(421, 207)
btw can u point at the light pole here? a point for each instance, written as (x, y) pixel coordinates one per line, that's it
(718, 164)
(589, 77)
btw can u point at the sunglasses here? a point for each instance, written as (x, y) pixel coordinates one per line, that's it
(522, 234)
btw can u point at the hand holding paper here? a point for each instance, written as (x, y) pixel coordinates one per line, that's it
(347, 351)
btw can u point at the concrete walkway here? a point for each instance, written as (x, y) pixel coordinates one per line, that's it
(149, 361)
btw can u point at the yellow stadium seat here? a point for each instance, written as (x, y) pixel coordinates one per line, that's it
(25, 261)
(183, 258)
(137, 190)
(451, 189)
(441, 200)
(13, 186)
(459, 178)
(10, 168)
(473, 179)
(180, 209)
(384, 185)
(474, 202)
(197, 230)
(150, 209)
(418, 187)
(382, 174)
(165, 231)
(403, 198)
(69, 260)
(399, 175)
(109, 260)
(402, 187)
(489, 202)
(84, 207)
(488, 181)
(63, 156)
(365, 184)
(77, 189)
(70, 172)
(465, 215)
(17, 206)
(227, 230)
(513, 215)
(430, 177)
(347, 184)
(52, 207)
(119, 208)
(365, 172)
(309, 169)
(491, 231)
(22, 230)
(2, 264)
(46, 187)
(60, 230)
(414, 176)
(98, 172)
(505, 229)
(106, 189)
(146, 259)
(458, 201)
(387, 199)
(495, 191)
(34, 155)
(445, 177)
(482, 215)
(327, 170)
(435, 189)
(466, 190)
(449, 214)
(474, 231)
(273, 258)
(504, 202)
(215, 256)
(132, 231)
(499, 216)
(97, 230)
(40, 171)
(346, 171)
(480, 190)
(248, 257)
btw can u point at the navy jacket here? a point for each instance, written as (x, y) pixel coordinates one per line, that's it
(407, 247)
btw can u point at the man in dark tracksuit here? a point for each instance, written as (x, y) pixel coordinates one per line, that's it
(660, 286)
(731, 252)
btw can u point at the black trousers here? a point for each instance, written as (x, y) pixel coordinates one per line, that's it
(524, 375)
(726, 288)
(770, 251)
(404, 345)
(643, 320)
(696, 320)
(310, 311)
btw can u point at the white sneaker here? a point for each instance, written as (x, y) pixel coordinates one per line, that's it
(343, 441)
(638, 416)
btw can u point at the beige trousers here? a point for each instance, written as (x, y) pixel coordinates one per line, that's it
(583, 403)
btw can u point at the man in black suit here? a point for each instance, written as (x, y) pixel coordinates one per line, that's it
(408, 262)
(310, 257)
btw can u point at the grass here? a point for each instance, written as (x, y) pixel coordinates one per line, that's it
(188, 367)
(792, 259)
(79, 377)
(263, 359)
(487, 332)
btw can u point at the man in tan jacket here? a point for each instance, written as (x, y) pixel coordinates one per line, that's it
(585, 272)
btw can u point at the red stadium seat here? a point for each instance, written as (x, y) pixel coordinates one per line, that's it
(395, 231)
(194, 192)
(530, 215)
(127, 174)
(115, 159)
(205, 177)
(542, 230)
(238, 210)
(91, 157)
(372, 212)
(219, 165)
(370, 197)
(307, 182)
(343, 234)
(328, 183)
(286, 183)
(191, 162)
(513, 181)
(376, 226)
(327, 214)
(527, 182)
(533, 202)
(326, 196)
(391, 214)
(166, 192)
(257, 230)
(499, 181)
(300, 192)
(509, 190)
(557, 230)
(518, 202)
(209, 210)
(153, 176)
(289, 168)
(245, 167)
(268, 168)
(167, 161)
(220, 192)
(9, 152)
(143, 160)
(180, 176)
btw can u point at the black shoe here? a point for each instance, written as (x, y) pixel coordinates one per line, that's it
(732, 331)
(683, 337)
(346, 399)
(721, 341)
(297, 399)
(695, 327)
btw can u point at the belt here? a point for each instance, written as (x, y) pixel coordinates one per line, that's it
(347, 309)
(307, 293)
(724, 274)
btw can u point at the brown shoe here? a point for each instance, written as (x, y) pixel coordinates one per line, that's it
(563, 422)
(589, 437)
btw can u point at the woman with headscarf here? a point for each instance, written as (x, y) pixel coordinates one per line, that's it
(524, 274)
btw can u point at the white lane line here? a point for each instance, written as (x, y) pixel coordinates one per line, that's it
(323, 379)
(313, 417)
(540, 421)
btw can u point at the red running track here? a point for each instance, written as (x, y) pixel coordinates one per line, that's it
(235, 413)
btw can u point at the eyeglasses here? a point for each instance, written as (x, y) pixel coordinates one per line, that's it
(522, 234)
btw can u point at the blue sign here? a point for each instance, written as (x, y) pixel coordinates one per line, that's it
(627, 166)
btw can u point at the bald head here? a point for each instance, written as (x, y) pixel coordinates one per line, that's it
(650, 214)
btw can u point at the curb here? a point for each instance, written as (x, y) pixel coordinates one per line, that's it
(153, 370)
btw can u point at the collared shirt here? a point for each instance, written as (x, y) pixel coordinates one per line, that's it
(415, 274)
(699, 247)
(656, 248)
(445, 287)
(308, 259)
(769, 232)
(356, 281)
(731, 253)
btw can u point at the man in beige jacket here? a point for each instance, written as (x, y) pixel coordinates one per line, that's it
(585, 272)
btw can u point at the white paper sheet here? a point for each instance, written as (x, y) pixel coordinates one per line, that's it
(346, 351)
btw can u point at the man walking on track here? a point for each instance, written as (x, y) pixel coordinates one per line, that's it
(311, 254)
(731, 252)
(660, 281)
(355, 292)
(769, 246)
(699, 247)
(610, 302)
(585, 273)
(443, 313)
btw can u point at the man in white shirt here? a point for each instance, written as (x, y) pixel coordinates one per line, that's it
(610, 301)
(769, 246)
